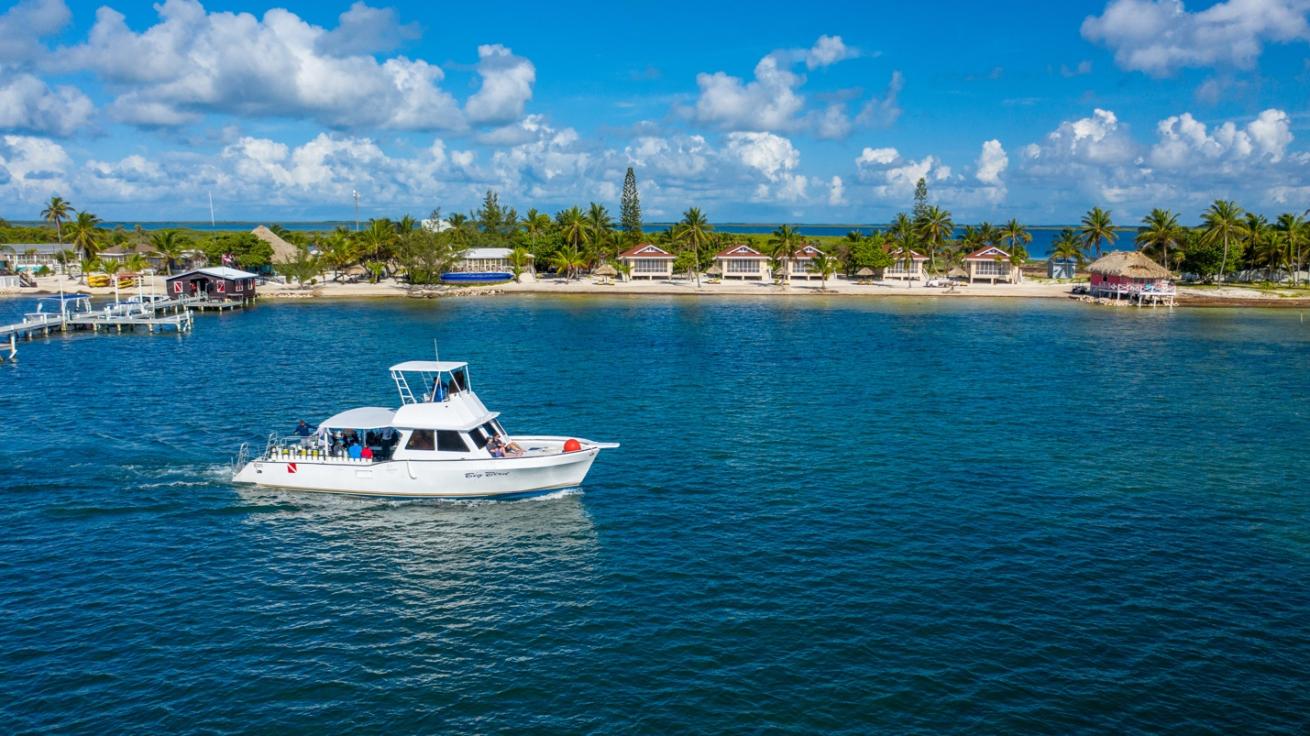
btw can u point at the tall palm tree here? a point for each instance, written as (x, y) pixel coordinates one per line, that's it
(85, 233)
(1017, 237)
(378, 241)
(1067, 247)
(168, 245)
(694, 231)
(1159, 230)
(1264, 247)
(934, 229)
(601, 227)
(572, 226)
(536, 224)
(1097, 229)
(57, 211)
(1223, 223)
(1293, 231)
(784, 242)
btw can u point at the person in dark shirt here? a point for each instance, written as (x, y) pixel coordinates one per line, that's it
(303, 429)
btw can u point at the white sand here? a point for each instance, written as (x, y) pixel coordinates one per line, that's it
(678, 287)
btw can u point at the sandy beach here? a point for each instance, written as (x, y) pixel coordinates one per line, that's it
(1224, 296)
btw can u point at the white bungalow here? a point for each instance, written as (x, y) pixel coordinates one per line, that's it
(993, 264)
(911, 269)
(648, 261)
(742, 262)
(802, 263)
(489, 260)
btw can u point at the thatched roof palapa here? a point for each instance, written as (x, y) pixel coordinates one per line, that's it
(1128, 263)
(715, 270)
(283, 252)
(606, 270)
(866, 271)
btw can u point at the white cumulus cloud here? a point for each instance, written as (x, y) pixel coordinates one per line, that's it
(28, 104)
(506, 85)
(992, 162)
(1160, 37)
(193, 62)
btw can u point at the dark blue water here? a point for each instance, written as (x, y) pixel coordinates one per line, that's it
(827, 516)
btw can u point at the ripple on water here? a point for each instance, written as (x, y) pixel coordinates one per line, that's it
(826, 516)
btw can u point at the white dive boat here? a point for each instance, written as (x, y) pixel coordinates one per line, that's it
(443, 444)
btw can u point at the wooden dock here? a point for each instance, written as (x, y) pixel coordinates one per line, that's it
(163, 315)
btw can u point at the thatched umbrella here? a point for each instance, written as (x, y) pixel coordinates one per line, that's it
(957, 273)
(606, 272)
(865, 274)
(715, 270)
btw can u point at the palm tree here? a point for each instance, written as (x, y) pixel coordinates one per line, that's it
(694, 230)
(1222, 222)
(1159, 230)
(935, 228)
(518, 261)
(57, 211)
(824, 265)
(535, 225)
(168, 245)
(1067, 247)
(85, 233)
(601, 227)
(377, 242)
(568, 260)
(1097, 229)
(572, 226)
(1293, 232)
(784, 241)
(1264, 247)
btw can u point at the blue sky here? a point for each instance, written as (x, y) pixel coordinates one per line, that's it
(819, 113)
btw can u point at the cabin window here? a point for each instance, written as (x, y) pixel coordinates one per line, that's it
(420, 439)
(479, 438)
(450, 441)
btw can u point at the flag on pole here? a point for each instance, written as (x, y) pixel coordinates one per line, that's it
(227, 259)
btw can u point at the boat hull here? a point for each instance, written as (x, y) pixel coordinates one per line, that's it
(424, 478)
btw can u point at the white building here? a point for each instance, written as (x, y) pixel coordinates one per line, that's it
(742, 262)
(906, 269)
(648, 261)
(489, 260)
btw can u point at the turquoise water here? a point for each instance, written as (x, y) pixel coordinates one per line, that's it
(827, 516)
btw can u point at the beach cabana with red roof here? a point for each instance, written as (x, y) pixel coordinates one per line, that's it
(802, 263)
(648, 261)
(907, 269)
(992, 264)
(741, 261)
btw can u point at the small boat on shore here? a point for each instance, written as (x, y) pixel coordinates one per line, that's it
(441, 442)
(476, 277)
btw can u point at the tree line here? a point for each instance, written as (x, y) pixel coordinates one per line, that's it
(574, 240)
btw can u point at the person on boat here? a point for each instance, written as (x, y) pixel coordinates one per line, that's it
(366, 453)
(303, 429)
(495, 448)
(355, 451)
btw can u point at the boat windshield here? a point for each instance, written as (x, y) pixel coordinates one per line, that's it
(434, 382)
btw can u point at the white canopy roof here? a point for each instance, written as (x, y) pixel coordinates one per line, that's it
(222, 272)
(365, 417)
(427, 366)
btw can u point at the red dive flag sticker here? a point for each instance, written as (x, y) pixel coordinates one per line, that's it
(291, 467)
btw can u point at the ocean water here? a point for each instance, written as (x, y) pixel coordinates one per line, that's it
(828, 515)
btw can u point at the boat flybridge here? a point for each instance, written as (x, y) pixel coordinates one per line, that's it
(440, 442)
